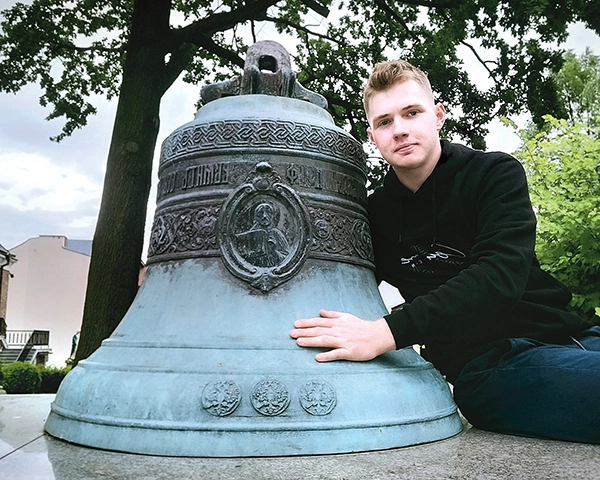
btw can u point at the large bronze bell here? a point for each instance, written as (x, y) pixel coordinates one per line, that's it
(260, 220)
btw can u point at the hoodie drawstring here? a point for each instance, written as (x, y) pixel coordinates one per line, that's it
(434, 214)
(401, 221)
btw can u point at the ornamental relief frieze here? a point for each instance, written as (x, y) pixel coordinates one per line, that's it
(275, 134)
(340, 234)
(193, 230)
(187, 230)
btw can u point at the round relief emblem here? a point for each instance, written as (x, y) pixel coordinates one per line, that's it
(270, 397)
(221, 398)
(264, 230)
(317, 398)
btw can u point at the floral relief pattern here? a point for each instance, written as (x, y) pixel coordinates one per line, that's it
(270, 397)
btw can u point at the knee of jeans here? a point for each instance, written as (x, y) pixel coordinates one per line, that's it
(590, 338)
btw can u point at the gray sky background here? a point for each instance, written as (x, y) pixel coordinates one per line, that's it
(54, 189)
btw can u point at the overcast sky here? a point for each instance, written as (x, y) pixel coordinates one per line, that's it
(54, 189)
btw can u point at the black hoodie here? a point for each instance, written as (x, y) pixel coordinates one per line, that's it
(461, 252)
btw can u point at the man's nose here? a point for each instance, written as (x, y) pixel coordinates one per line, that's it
(400, 128)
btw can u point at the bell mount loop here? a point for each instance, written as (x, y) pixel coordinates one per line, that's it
(267, 71)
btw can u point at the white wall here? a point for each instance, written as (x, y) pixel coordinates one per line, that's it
(47, 292)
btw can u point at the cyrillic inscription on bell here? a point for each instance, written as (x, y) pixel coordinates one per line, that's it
(260, 220)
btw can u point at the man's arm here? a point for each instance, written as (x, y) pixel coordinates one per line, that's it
(491, 206)
(349, 337)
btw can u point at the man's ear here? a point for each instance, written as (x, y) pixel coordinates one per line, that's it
(440, 113)
(370, 134)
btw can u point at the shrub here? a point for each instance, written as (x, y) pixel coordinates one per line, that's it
(563, 165)
(20, 377)
(51, 378)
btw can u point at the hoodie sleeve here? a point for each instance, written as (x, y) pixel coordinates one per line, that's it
(472, 306)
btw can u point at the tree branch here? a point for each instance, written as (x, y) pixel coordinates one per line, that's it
(301, 28)
(481, 60)
(433, 3)
(382, 4)
(208, 44)
(317, 7)
(55, 47)
(180, 59)
(219, 22)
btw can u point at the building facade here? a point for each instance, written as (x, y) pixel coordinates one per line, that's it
(47, 290)
(6, 260)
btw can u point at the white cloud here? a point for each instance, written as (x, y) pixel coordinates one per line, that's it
(83, 223)
(32, 182)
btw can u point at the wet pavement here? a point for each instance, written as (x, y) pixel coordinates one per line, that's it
(27, 453)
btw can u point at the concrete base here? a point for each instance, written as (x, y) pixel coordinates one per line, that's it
(27, 454)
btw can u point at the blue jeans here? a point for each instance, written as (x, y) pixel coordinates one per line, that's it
(535, 389)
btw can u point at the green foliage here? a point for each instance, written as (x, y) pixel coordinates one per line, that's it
(563, 166)
(72, 49)
(377, 168)
(20, 377)
(578, 83)
(51, 378)
(77, 50)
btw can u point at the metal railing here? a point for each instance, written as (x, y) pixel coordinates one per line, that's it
(20, 338)
(24, 345)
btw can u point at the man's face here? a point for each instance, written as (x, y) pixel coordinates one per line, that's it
(404, 126)
(264, 214)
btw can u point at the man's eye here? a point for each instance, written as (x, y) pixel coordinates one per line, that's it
(383, 123)
(413, 113)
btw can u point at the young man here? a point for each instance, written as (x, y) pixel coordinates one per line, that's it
(453, 229)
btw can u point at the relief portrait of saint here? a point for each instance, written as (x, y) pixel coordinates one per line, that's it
(263, 245)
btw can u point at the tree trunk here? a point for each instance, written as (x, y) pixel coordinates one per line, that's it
(119, 236)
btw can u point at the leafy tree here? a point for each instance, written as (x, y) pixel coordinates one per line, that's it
(578, 94)
(578, 83)
(563, 165)
(136, 49)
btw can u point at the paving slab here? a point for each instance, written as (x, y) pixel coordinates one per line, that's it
(27, 453)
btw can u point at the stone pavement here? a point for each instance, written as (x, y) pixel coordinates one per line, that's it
(26, 453)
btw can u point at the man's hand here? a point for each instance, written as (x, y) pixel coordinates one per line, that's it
(349, 337)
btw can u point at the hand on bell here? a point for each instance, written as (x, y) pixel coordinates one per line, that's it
(349, 337)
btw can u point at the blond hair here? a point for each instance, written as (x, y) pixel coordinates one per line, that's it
(388, 74)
